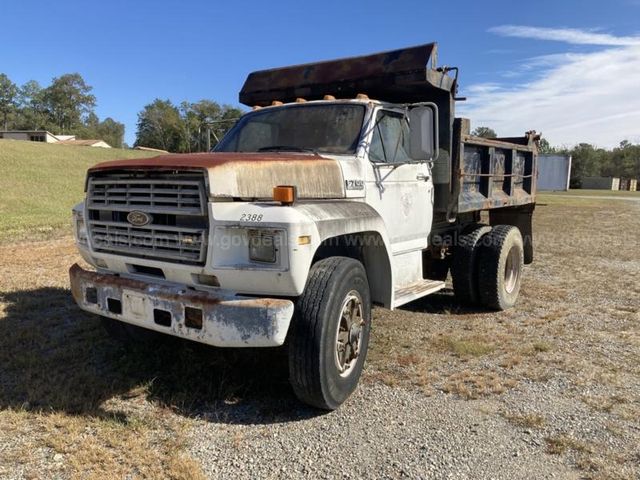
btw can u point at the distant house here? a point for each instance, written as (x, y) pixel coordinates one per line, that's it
(48, 137)
(30, 136)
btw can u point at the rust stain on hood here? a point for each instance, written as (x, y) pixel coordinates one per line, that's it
(249, 175)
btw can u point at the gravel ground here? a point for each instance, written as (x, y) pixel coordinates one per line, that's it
(382, 432)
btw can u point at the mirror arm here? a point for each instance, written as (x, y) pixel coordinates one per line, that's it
(376, 172)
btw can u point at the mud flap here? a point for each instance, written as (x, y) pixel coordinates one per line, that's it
(521, 217)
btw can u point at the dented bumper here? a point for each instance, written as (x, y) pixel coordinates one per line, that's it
(219, 319)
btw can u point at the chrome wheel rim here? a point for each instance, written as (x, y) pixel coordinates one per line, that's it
(349, 333)
(512, 270)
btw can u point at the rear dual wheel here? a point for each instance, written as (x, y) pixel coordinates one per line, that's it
(463, 267)
(500, 265)
(487, 266)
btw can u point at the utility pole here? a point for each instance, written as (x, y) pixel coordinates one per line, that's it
(210, 131)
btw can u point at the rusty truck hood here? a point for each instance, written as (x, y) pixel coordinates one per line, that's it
(249, 175)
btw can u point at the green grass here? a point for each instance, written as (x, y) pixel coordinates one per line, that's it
(40, 183)
(594, 193)
(586, 198)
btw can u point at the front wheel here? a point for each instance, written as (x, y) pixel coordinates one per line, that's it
(329, 335)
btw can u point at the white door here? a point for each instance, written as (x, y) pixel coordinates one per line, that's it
(400, 189)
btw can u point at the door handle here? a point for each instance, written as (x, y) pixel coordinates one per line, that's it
(423, 176)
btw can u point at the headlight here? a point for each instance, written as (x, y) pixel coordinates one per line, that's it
(80, 228)
(262, 246)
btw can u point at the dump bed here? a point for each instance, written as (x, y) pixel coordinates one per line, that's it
(492, 173)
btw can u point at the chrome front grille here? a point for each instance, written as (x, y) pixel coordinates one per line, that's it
(175, 202)
(161, 196)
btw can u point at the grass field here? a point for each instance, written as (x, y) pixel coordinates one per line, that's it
(39, 183)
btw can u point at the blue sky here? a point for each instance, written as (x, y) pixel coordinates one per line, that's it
(523, 66)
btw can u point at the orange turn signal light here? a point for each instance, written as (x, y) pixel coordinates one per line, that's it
(285, 194)
(304, 240)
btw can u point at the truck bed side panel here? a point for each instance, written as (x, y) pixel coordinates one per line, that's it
(495, 174)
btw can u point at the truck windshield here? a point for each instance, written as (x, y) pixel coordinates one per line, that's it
(333, 128)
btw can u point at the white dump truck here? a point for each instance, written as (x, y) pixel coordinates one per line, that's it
(349, 184)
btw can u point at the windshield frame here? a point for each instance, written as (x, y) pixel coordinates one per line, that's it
(362, 132)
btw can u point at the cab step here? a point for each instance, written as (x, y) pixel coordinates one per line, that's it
(416, 290)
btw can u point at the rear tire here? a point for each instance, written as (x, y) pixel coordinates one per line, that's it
(329, 335)
(500, 267)
(464, 272)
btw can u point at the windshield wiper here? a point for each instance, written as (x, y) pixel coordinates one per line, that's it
(286, 148)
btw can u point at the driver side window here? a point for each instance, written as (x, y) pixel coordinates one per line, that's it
(390, 141)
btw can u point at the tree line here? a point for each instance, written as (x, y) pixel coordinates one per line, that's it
(66, 106)
(588, 160)
(188, 127)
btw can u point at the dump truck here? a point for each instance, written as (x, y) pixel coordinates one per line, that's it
(350, 183)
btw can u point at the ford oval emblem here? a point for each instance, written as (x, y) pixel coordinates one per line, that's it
(138, 218)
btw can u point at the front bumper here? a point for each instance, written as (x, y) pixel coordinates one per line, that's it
(226, 320)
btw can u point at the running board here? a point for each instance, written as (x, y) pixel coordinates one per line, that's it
(416, 290)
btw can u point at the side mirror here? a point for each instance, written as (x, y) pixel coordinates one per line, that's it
(423, 120)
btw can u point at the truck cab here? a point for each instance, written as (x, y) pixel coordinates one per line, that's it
(308, 212)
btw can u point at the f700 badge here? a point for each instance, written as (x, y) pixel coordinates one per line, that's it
(354, 184)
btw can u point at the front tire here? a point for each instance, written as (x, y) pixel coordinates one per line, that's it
(329, 336)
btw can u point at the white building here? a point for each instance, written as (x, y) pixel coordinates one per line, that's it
(48, 137)
(30, 136)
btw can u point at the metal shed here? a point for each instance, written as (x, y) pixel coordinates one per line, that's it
(554, 172)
